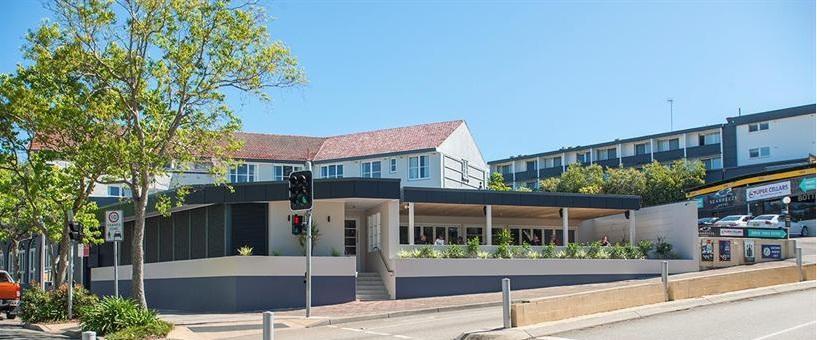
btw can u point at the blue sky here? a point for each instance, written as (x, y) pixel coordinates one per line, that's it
(526, 76)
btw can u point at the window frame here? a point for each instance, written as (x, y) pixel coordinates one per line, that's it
(392, 165)
(371, 173)
(419, 168)
(251, 173)
(337, 174)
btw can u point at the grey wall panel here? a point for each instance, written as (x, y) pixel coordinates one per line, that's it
(215, 231)
(249, 227)
(730, 146)
(181, 235)
(165, 239)
(126, 245)
(198, 236)
(416, 287)
(151, 240)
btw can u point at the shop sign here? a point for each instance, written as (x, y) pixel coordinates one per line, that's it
(770, 251)
(766, 233)
(766, 191)
(707, 253)
(749, 250)
(725, 250)
(731, 232)
(808, 184)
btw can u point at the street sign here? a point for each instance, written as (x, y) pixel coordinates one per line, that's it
(766, 233)
(114, 230)
(808, 184)
(770, 251)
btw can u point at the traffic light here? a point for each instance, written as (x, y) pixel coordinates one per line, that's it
(297, 224)
(300, 190)
(75, 230)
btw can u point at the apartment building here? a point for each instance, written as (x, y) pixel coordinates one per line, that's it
(438, 155)
(743, 145)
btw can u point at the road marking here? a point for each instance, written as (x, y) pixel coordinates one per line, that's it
(402, 337)
(352, 329)
(375, 333)
(785, 330)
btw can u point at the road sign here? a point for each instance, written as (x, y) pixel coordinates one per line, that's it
(114, 230)
(766, 233)
(770, 251)
(808, 184)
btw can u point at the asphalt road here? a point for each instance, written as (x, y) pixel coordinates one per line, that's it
(445, 325)
(11, 329)
(786, 316)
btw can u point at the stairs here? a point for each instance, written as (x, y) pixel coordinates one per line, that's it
(370, 287)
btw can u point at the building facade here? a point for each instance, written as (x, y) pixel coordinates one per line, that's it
(743, 145)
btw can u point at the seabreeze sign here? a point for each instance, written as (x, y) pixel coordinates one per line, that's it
(771, 190)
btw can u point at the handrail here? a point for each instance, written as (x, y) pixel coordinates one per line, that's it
(385, 263)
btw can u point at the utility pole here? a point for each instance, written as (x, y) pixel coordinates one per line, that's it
(670, 101)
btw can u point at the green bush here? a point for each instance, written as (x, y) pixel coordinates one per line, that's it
(593, 249)
(504, 237)
(663, 249)
(573, 251)
(113, 314)
(645, 246)
(473, 246)
(39, 306)
(618, 252)
(633, 252)
(503, 251)
(152, 330)
(427, 252)
(454, 251)
(549, 251)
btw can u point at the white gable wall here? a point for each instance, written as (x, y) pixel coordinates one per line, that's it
(460, 146)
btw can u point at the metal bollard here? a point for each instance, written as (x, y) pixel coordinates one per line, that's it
(665, 278)
(269, 325)
(89, 335)
(799, 253)
(506, 303)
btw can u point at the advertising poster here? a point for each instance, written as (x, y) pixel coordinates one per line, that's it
(749, 251)
(707, 253)
(725, 250)
(770, 251)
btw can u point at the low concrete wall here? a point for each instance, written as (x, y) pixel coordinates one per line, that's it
(737, 254)
(572, 305)
(728, 282)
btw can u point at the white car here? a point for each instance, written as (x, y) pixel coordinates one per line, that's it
(767, 221)
(733, 221)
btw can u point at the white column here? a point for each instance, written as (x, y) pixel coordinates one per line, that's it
(632, 227)
(488, 224)
(513, 175)
(652, 150)
(619, 151)
(391, 226)
(685, 145)
(564, 227)
(411, 223)
(564, 162)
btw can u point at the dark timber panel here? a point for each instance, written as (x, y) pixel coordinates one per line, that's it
(198, 236)
(215, 231)
(126, 244)
(152, 240)
(165, 239)
(249, 227)
(181, 235)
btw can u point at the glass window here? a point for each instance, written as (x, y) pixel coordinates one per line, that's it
(712, 163)
(404, 234)
(642, 149)
(530, 165)
(505, 170)
(393, 165)
(761, 152)
(668, 144)
(113, 191)
(332, 171)
(763, 126)
(764, 151)
(557, 162)
(418, 167)
(583, 157)
(242, 173)
(474, 232)
(710, 138)
(282, 172)
(370, 169)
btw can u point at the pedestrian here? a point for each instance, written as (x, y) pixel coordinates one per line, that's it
(440, 241)
(604, 241)
(423, 239)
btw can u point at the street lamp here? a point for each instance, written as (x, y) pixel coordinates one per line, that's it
(787, 216)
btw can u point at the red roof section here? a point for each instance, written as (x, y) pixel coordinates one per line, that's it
(277, 147)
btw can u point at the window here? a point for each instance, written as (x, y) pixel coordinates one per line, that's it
(583, 157)
(557, 162)
(530, 165)
(370, 169)
(374, 232)
(418, 167)
(606, 154)
(464, 164)
(761, 152)
(332, 171)
(505, 170)
(393, 165)
(709, 138)
(119, 191)
(712, 163)
(642, 149)
(242, 173)
(754, 127)
(32, 268)
(472, 232)
(281, 172)
(668, 144)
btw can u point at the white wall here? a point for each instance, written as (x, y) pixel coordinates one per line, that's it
(331, 232)
(461, 145)
(787, 138)
(352, 168)
(677, 223)
(497, 267)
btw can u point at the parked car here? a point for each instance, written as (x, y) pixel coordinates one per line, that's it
(767, 221)
(9, 295)
(734, 221)
(706, 221)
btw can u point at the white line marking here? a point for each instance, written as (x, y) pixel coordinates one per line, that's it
(402, 337)
(376, 333)
(352, 329)
(785, 330)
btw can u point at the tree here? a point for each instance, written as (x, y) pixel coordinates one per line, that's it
(497, 183)
(583, 179)
(624, 181)
(550, 184)
(162, 69)
(667, 184)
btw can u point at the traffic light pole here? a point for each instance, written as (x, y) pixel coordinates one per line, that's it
(71, 281)
(309, 257)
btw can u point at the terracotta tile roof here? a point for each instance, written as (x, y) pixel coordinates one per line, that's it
(278, 147)
(416, 137)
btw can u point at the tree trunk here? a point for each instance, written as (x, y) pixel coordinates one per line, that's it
(65, 248)
(15, 271)
(137, 254)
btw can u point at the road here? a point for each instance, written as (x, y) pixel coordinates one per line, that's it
(784, 316)
(12, 329)
(445, 325)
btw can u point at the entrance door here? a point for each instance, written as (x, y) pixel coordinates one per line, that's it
(350, 239)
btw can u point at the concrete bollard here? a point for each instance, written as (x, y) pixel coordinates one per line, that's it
(269, 325)
(665, 278)
(799, 254)
(89, 335)
(506, 303)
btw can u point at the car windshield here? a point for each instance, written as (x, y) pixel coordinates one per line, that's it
(731, 218)
(765, 217)
(4, 277)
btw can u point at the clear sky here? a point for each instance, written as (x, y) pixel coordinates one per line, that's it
(527, 76)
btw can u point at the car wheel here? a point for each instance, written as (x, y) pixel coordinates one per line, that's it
(804, 232)
(11, 316)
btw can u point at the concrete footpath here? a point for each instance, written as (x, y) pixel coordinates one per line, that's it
(236, 324)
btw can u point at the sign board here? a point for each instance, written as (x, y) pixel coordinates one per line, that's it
(770, 251)
(114, 230)
(767, 233)
(808, 184)
(749, 250)
(725, 250)
(707, 253)
(731, 232)
(766, 191)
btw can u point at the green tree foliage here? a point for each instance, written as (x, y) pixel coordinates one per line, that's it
(625, 181)
(666, 184)
(583, 179)
(550, 184)
(497, 183)
(157, 73)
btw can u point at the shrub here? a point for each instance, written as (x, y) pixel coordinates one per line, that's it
(572, 250)
(663, 249)
(149, 331)
(409, 254)
(427, 252)
(454, 251)
(113, 314)
(533, 255)
(276, 253)
(245, 251)
(633, 252)
(603, 254)
(503, 251)
(645, 246)
(41, 306)
(549, 251)
(473, 246)
(618, 252)
(483, 255)
(504, 237)
(335, 252)
(593, 249)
